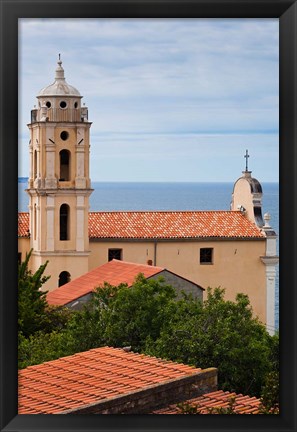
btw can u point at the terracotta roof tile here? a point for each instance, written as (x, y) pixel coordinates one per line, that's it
(217, 399)
(163, 225)
(171, 225)
(50, 388)
(23, 224)
(114, 272)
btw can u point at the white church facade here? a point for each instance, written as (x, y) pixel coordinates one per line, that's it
(234, 249)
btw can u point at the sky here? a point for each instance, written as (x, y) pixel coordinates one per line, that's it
(170, 100)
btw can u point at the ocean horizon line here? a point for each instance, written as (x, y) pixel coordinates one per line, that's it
(20, 179)
(172, 182)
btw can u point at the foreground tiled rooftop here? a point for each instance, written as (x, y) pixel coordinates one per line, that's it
(113, 272)
(89, 377)
(164, 225)
(216, 400)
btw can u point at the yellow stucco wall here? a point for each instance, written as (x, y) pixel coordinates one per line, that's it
(237, 266)
(23, 247)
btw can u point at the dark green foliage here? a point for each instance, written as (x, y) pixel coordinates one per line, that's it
(38, 323)
(220, 334)
(86, 330)
(186, 408)
(31, 301)
(41, 347)
(136, 313)
(56, 318)
(270, 390)
(270, 394)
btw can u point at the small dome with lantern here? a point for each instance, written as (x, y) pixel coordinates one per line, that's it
(59, 87)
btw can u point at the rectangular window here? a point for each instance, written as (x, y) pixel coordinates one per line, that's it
(206, 256)
(19, 257)
(115, 254)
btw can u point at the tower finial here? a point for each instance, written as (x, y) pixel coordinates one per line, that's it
(246, 156)
(60, 70)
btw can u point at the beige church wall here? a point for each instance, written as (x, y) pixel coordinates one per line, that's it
(237, 266)
(137, 252)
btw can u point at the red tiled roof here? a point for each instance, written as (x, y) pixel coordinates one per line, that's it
(164, 225)
(171, 225)
(92, 376)
(114, 272)
(217, 399)
(23, 224)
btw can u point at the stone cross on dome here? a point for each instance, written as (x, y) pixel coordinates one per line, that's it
(246, 156)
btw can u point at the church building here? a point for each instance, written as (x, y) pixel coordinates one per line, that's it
(233, 249)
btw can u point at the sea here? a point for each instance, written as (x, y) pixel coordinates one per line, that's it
(124, 196)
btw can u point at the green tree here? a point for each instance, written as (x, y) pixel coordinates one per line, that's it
(41, 347)
(220, 334)
(39, 325)
(133, 314)
(31, 300)
(79, 331)
(270, 390)
(187, 408)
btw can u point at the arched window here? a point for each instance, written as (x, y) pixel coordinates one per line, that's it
(64, 278)
(64, 222)
(64, 165)
(35, 164)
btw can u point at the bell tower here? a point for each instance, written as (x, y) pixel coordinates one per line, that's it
(247, 198)
(59, 184)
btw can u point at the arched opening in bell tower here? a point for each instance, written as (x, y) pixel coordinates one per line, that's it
(64, 222)
(64, 278)
(64, 165)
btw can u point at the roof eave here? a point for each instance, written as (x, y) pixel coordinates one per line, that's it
(174, 239)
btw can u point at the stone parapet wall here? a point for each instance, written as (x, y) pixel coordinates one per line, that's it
(156, 396)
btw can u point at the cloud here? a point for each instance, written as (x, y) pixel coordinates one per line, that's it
(147, 78)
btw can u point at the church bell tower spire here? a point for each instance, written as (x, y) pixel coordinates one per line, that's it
(59, 184)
